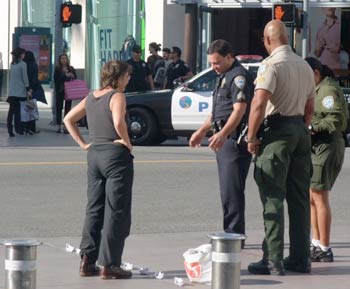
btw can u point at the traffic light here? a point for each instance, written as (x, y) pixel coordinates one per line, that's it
(70, 14)
(284, 12)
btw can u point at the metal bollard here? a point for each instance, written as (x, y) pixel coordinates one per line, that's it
(226, 260)
(20, 263)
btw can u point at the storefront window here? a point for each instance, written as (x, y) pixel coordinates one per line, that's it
(119, 28)
(39, 13)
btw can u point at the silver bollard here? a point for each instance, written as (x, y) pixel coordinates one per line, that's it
(226, 260)
(20, 263)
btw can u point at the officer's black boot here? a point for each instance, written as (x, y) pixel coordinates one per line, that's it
(265, 267)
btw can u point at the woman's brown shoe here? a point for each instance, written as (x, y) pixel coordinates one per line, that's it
(114, 272)
(88, 268)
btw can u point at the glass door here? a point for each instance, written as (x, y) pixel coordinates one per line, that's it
(205, 36)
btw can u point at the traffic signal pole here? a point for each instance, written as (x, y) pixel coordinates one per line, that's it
(305, 29)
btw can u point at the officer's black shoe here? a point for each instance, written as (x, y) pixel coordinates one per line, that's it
(293, 265)
(264, 267)
(323, 256)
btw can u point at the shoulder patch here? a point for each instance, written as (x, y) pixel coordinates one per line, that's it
(262, 69)
(240, 81)
(328, 102)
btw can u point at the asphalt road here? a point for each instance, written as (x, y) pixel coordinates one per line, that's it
(43, 189)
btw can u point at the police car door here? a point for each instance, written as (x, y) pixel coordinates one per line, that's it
(192, 102)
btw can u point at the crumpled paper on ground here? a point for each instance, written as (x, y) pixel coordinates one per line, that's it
(71, 249)
(179, 281)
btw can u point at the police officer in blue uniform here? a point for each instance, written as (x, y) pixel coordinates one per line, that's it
(178, 69)
(231, 102)
(141, 75)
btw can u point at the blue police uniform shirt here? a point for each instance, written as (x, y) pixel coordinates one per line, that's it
(176, 70)
(235, 85)
(138, 78)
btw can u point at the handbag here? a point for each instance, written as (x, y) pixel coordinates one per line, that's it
(75, 89)
(29, 110)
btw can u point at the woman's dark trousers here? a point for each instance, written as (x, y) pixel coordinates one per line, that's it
(14, 114)
(108, 211)
(59, 106)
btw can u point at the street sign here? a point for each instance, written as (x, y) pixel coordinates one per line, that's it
(284, 12)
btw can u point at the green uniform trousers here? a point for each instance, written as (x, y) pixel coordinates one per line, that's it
(283, 171)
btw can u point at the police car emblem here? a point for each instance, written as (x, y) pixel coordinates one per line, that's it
(328, 101)
(240, 81)
(262, 69)
(185, 102)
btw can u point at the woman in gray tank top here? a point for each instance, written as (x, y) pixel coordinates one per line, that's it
(110, 173)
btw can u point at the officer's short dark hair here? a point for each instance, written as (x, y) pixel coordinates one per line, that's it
(136, 48)
(176, 50)
(221, 47)
(315, 64)
(167, 50)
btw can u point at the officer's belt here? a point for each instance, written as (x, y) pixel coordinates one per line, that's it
(217, 125)
(278, 119)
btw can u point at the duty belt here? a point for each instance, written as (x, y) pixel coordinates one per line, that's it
(217, 125)
(238, 134)
(277, 119)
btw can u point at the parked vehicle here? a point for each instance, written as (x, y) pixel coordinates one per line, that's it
(155, 116)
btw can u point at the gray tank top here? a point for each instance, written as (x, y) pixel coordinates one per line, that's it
(99, 118)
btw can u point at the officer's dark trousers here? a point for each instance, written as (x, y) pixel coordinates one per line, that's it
(108, 211)
(233, 165)
(282, 171)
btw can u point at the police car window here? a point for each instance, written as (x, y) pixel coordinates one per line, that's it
(206, 82)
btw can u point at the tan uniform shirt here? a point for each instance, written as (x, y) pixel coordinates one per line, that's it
(290, 80)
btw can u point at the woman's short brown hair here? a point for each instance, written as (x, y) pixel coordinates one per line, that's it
(111, 72)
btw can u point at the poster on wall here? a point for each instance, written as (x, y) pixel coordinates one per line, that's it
(39, 41)
(329, 41)
(325, 28)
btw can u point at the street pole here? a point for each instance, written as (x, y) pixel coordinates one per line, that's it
(305, 29)
(58, 49)
(190, 37)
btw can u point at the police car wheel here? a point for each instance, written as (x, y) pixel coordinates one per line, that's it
(143, 127)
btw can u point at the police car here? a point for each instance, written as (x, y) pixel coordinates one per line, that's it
(158, 115)
(155, 116)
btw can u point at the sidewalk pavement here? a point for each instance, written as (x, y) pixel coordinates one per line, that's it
(163, 252)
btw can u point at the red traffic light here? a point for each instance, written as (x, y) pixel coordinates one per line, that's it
(70, 14)
(284, 12)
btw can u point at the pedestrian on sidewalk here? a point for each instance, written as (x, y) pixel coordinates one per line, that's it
(35, 85)
(110, 173)
(18, 90)
(63, 72)
(328, 147)
(278, 135)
